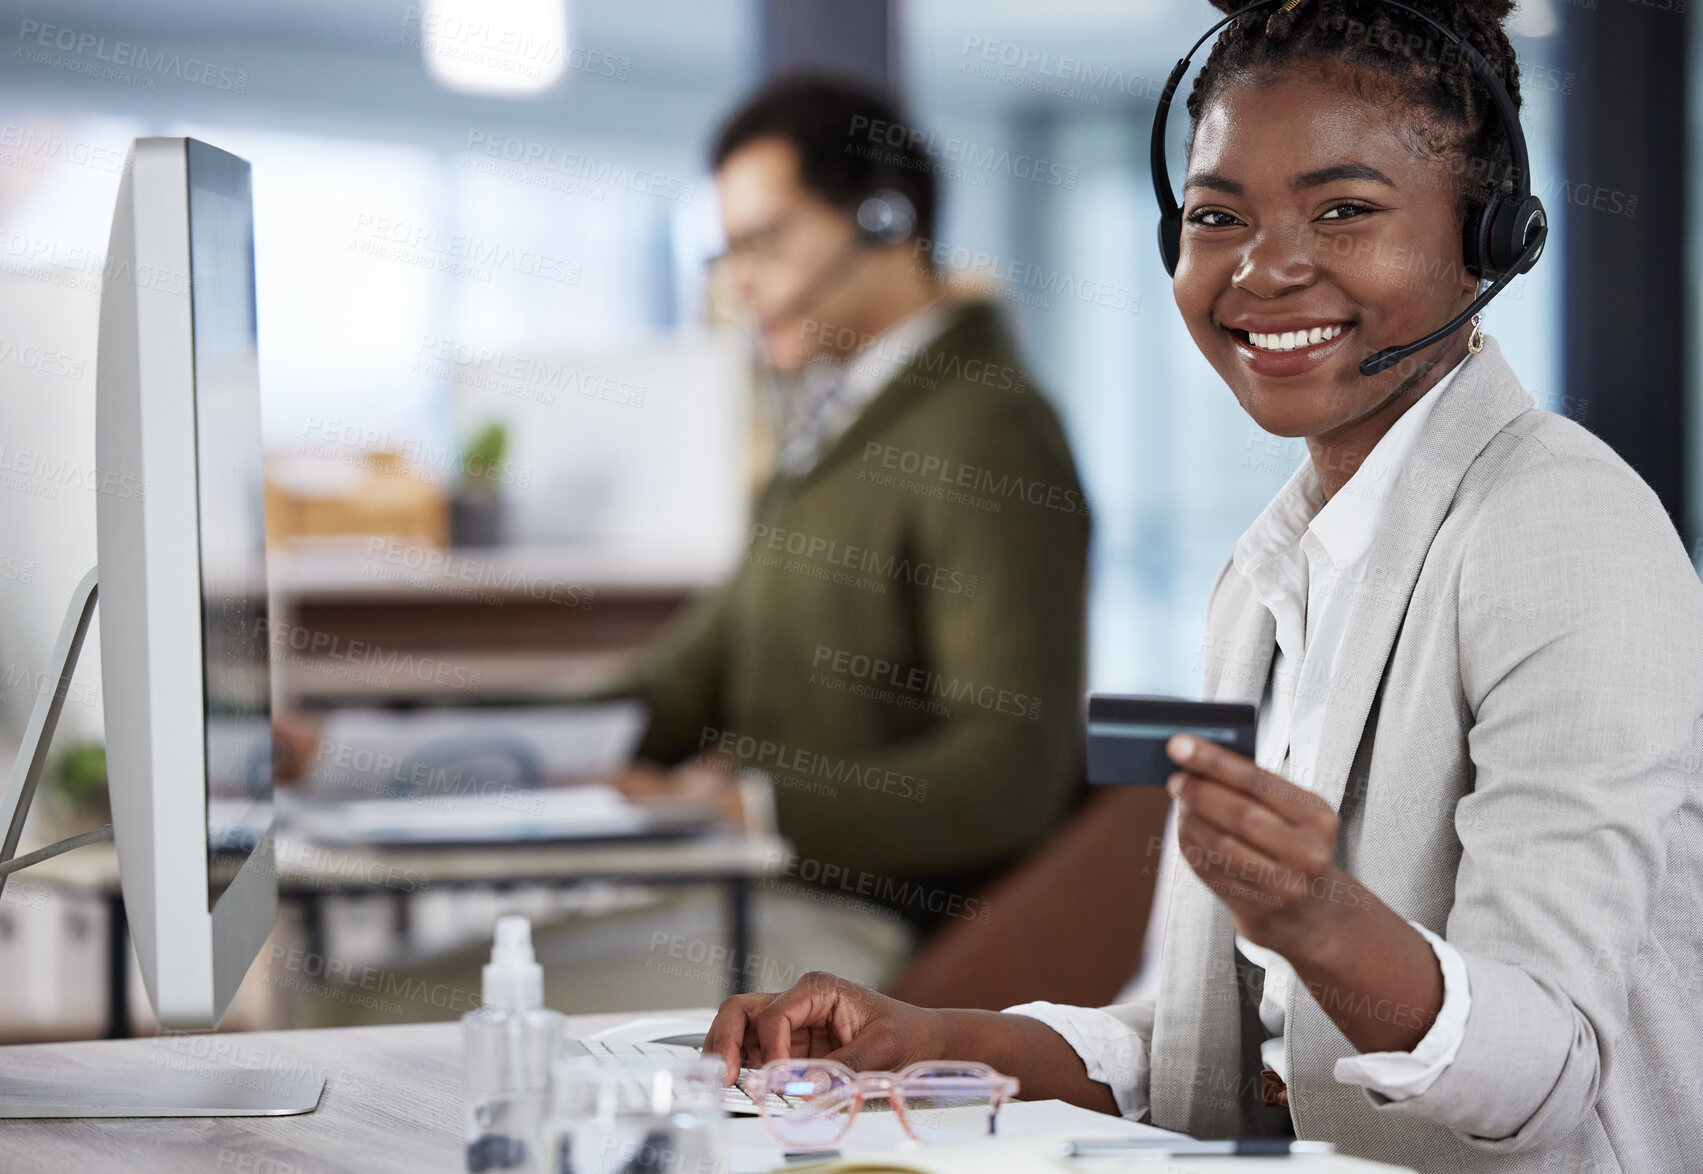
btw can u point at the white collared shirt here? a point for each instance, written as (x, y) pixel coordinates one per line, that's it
(1299, 556)
(835, 391)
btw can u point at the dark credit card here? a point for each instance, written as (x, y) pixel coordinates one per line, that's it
(1127, 735)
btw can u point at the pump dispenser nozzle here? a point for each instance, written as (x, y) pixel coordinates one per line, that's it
(507, 1048)
(513, 979)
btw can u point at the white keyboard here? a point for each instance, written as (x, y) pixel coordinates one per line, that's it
(734, 1099)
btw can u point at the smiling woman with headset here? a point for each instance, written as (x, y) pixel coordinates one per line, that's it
(1446, 915)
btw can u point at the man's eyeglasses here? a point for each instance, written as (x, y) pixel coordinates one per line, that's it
(934, 1101)
(761, 243)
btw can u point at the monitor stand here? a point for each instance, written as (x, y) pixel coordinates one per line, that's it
(144, 1090)
(141, 1091)
(44, 719)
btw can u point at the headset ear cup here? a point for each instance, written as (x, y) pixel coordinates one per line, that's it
(1503, 229)
(886, 217)
(1481, 256)
(1472, 255)
(1509, 233)
(1170, 242)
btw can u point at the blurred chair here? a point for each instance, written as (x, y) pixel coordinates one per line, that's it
(1066, 924)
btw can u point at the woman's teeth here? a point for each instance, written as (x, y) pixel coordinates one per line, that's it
(1293, 339)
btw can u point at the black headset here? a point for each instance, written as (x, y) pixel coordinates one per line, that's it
(886, 216)
(1504, 241)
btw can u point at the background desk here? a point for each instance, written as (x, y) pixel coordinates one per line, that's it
(535, 622)
(307, 874)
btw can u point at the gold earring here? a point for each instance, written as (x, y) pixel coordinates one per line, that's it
(1476, 342)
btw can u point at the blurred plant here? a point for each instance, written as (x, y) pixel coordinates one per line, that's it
(76, 787)
(80, 772)
(483, 457)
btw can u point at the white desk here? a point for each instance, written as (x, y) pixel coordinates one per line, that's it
(392, 1102)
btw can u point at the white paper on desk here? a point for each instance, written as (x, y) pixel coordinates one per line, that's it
(584, 811)
(754, 1151)
(369, 753)
(1042, 1153)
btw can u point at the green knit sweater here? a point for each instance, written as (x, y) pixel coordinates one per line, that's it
(901, 649)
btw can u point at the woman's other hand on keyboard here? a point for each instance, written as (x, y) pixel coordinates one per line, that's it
(824, 1016)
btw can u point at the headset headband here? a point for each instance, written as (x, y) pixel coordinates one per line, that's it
(1498, 97)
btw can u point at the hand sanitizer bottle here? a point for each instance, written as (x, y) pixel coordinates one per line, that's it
(508, 1047)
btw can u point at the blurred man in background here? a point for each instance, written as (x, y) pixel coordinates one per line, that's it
(894, 671)
(900, 655)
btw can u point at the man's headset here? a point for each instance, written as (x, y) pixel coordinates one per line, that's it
(886, 216)
(1503, 241)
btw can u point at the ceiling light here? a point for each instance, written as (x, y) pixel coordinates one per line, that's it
(502, 47)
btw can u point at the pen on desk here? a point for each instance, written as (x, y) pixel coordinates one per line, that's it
(1160, 1147)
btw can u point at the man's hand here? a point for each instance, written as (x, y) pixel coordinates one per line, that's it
(1265, 846)
(701, 782)
(824, 1016)
(295, 742)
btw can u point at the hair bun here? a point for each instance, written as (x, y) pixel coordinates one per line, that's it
(1452, 14)
(1456, 14)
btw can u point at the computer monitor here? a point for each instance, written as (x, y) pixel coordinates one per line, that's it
(181, 540)
(180, 529)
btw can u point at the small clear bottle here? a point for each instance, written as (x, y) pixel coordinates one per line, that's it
(508, 1047)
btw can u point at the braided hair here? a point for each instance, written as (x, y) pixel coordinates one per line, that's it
(1393, 57)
